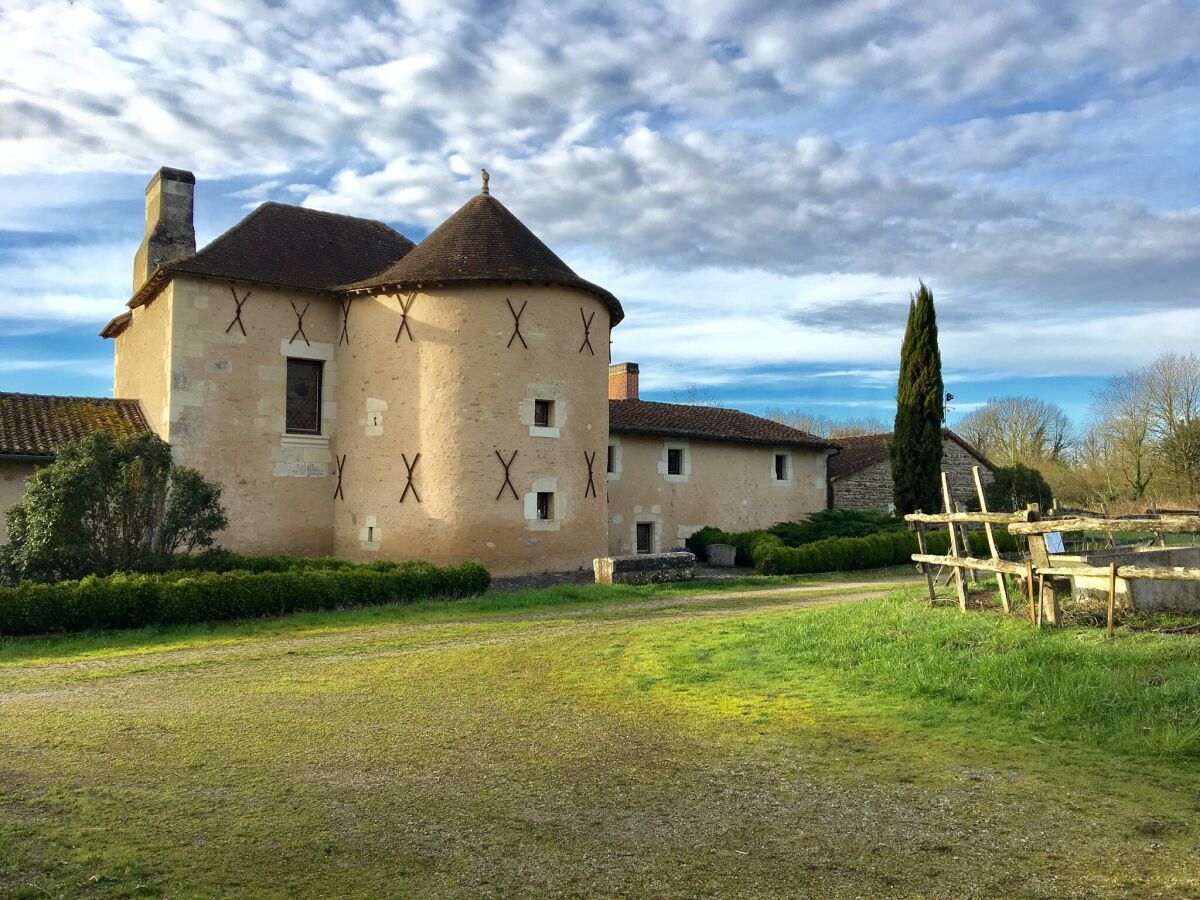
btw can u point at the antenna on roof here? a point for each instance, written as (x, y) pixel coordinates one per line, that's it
(486, 176)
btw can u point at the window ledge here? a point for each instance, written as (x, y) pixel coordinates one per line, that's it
(304, 440)
(543, 431)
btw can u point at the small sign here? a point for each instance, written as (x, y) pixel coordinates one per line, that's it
(1054, 542)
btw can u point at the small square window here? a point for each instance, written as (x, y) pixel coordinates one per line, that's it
(611, 459)
(303, 395)
(674, 461)
(781, 468)
(543, 413)
(545, 505)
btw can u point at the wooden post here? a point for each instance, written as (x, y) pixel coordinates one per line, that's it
(1029, 590)
(925, 567)
(1112, 595)
(991, 537)
(965, 536)
(959, 582)
(1048, 594)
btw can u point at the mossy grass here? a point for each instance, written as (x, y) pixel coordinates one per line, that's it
(582, 742)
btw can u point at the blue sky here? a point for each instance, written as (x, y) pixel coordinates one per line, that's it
(762, 185)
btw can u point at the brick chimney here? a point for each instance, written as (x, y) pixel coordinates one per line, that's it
(623, 381)
(170, 232)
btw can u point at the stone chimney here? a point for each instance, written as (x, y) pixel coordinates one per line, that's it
(623, 381)
(170, 233)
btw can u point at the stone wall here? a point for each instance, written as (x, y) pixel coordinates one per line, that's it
(13, 475)
(728, 485)
(871, 488)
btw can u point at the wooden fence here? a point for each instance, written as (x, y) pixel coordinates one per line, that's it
(1036, 569)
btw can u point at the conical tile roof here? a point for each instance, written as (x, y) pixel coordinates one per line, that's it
(483, 242)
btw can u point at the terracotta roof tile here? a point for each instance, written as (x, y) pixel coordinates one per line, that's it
(290, 246)
(704, 423)
(37, 425)
(865, 450)
(484, 242)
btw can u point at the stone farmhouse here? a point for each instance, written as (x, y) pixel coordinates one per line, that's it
(359, 396)
(860, 475)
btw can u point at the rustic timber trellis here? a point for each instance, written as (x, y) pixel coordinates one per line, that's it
(405, 305)
(1037, 571)
(345, 335)
(587, 331)
(507, 481)
(237, 312)
(409, 486)
(591, 485)
(300, 313)
(516, 314)
(341, 464)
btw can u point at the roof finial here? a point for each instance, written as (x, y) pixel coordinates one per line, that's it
(486, 176)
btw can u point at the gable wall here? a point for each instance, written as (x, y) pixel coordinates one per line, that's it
(871, 488)
(225, 411)
(728, 485)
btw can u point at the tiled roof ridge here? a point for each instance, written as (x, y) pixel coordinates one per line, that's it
(706, 422)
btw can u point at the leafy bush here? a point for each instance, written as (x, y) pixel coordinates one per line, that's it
(109, 505)
(875, 551)
(835, 523)
(1015, 487)
(136, 600)
(745, 543)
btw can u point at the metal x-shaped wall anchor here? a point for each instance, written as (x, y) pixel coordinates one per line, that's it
(345, 335)
(591, 485)
(405, 306)
(587, 331)
(237, 314)
(410, 486)
(300, 322)
(341, 464)
(516, 323)
(507, 481)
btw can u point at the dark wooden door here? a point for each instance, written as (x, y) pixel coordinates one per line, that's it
(645, 537)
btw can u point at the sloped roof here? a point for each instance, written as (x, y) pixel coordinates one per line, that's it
(483, 242)
(290, 246)
(704, 423)
(865, 450)
(36, 425)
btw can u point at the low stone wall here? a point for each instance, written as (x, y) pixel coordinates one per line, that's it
(1139, 593)
(645, 568)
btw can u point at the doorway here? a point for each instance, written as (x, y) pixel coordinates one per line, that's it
(645, 537)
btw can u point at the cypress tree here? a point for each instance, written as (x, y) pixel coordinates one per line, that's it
(916, 446)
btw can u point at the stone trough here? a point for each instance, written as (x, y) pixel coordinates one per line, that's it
(645, 568)
(1137, 593)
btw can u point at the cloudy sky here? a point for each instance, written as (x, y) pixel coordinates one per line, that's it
(761, 184)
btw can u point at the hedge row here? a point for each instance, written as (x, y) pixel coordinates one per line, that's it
(873, 552)
(133, 601)
(769, 555)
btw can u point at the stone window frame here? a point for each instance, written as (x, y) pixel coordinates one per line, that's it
(558, 505)
(317, 351)
(318, 366)
(614, 444)
(557, 410)
(789, 466)
(685, 476)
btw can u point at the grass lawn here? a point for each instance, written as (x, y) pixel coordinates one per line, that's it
(588, 741)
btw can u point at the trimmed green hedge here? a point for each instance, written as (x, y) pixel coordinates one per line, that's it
(134, 601)
(873, 552)
(771, 556)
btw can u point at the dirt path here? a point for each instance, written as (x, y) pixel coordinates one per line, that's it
(569, 620)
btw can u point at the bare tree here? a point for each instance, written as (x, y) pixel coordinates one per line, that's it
(1018, 430)
(1122, 437)
(695, 395)
(823, 426)
(1172, 386)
